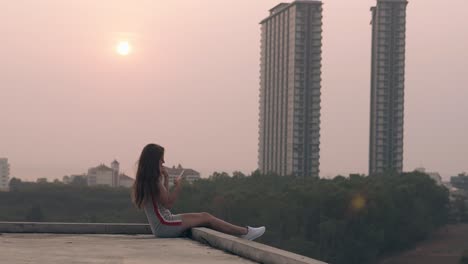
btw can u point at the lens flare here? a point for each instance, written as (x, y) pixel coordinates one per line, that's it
(358, 203)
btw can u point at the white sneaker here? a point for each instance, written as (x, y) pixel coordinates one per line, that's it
(253, 233)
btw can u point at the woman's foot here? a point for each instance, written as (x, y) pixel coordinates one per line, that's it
(253, 232)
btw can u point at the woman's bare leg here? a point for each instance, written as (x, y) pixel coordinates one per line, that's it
(207, 220)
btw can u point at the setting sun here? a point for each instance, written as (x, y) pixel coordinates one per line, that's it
(123, 48)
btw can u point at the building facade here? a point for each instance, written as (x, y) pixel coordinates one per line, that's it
(126, 181)
(4, 174)
(103, 175)
(186, 174)
(100, 175)
(115, 166)
(290, 89)
(387, 86)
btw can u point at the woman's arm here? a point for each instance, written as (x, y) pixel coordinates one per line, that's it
(165, 177)
(167, 198)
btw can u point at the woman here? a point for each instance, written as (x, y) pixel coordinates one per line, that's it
(151, 193)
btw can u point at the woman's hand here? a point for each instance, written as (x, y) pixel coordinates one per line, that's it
(177, 181)
(168, 198)
(163, 171)
(165, 176)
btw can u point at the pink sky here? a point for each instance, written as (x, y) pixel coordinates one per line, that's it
(69, 103)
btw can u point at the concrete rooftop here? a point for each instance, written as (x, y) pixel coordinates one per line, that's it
(115, 249)
(47, 242)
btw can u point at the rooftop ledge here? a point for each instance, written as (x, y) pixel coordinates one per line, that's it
(27, 241)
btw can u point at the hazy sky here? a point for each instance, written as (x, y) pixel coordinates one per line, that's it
(68, 102)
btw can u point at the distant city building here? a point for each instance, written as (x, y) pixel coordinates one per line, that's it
(460, 181)
(42, 180)
(69, 179)
(186, 174)
(387, 86)
(66, 179)
(290, 89)
(434, 175)
(101, 175)
(126, 181)
(4, 174)
(115, 166)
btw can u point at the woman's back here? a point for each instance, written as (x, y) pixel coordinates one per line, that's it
(162, 222)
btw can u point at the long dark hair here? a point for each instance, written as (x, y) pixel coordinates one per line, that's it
(148, 174)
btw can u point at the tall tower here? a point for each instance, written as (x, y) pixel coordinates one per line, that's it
(115, 173)
(387, 87)
(290, 84)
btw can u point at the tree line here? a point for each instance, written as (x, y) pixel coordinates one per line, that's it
(353, 219)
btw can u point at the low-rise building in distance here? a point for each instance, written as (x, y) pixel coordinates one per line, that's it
(101, 175)
(189, 175)
(4, 174)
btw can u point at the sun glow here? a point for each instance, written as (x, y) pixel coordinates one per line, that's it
(123, 48)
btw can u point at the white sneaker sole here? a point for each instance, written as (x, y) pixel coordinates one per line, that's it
(257, 235)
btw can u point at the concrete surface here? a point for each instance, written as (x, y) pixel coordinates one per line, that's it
(74, 228)
(115, 249)
(249, 249)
